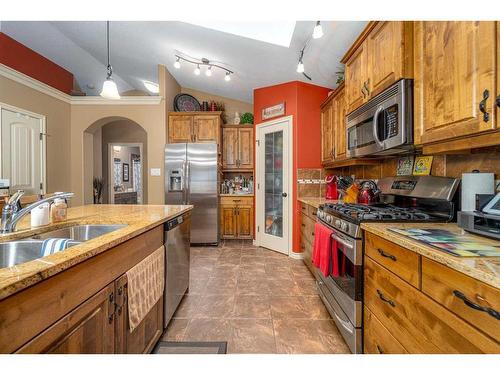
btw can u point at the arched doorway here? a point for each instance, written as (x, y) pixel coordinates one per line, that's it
(115, 152)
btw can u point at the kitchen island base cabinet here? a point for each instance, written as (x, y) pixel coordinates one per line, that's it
(145, 336)
(89, 329)
(79, 310)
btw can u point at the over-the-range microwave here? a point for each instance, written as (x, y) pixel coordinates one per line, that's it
(384, 124)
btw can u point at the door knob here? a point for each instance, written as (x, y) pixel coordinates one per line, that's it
(284, 195)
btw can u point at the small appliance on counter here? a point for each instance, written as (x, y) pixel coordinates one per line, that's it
(331, 187)
(485, 221)
(475, 183)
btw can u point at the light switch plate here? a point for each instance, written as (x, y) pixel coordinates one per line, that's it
(155, 172)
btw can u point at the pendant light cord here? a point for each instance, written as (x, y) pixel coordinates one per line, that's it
(110, 69)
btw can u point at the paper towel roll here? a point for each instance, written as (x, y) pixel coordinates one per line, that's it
(475, 183)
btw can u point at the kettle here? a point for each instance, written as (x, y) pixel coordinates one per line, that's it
(368, 192)
(331, 187)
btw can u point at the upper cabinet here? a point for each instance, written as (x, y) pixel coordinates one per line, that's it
(339, 112)
(197, 127)
(333, 131)
(455, 82)
(237, 147)
(327, 135)
(380, 56)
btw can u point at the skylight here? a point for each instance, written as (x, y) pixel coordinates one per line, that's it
(274, 32)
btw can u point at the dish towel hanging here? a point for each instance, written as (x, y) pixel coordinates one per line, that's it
(322, 248)
(146, 282)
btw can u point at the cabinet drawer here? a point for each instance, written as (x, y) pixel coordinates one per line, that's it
(403, 262)
(415, 320)
(307, 228)
(450, 288)
(312, 212)
(303, 208)
(236, 200)
(377, 339)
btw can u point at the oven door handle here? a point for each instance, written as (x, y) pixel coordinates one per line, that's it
(375, 125)
(342, 241)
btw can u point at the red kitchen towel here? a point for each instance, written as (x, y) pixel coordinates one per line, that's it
(322, 248)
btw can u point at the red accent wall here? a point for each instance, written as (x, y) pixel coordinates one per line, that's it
(302, 101)
(23, 59)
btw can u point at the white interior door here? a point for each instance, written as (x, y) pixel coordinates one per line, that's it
(273, 185)
(22, 151)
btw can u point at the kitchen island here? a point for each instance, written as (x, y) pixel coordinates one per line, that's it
(74, 300)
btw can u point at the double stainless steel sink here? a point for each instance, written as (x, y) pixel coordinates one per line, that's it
(21, 251)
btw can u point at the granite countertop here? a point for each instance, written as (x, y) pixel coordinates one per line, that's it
(315, 202)
(139, 219)
(480, 268)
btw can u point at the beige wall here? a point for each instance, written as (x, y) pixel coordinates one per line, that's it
(231, 105)
(57, 115)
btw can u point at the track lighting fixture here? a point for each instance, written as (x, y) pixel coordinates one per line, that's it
(177, 64)
(204, 62)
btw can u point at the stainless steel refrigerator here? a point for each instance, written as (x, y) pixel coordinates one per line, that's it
(192, 178)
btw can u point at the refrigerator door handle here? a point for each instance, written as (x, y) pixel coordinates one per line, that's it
(188, 182)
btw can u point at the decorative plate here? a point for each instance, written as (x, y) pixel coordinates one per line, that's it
(186, 103)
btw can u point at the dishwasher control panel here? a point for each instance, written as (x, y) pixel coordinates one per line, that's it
(174, 222)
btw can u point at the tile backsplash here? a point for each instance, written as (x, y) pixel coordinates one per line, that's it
(443, 165)
(310, 183)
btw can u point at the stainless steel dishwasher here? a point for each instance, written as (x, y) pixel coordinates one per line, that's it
(177, 233)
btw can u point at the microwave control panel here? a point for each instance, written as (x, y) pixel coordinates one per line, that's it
(391, 121)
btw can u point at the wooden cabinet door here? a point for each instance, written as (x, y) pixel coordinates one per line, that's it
(454, 65)
(88, 329)
(385, 52)
(355, 78)
(339, 113)
(228, 222)
(180, 128)
(145, 336)
(206, 129)
(244, 220)
(245, 148)
(327, 133)
(229, 148)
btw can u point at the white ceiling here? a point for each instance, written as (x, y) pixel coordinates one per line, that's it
(137, 48)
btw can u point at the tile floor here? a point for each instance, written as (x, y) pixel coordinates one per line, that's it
(257, 300)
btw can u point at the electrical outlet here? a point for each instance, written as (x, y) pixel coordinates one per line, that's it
(155, 172)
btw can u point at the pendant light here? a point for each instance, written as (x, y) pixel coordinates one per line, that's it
(318, 30)
(109, 89)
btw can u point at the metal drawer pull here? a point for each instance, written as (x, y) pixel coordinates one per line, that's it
(386, 255)
(385, 299)
(475, 306)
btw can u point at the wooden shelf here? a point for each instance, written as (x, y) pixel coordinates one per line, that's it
(351, 162)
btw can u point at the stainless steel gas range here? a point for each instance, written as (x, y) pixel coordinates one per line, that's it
(403, 199)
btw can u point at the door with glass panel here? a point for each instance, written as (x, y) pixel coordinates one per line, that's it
(272, 186)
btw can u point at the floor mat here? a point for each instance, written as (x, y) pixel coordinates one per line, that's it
(191, 347)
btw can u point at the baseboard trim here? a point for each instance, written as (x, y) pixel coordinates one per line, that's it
(296, 255)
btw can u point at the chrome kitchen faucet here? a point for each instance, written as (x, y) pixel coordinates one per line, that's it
(12, 214)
